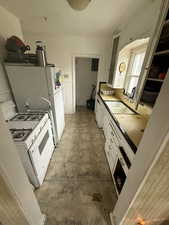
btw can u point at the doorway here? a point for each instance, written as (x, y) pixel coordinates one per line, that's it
(86, 73)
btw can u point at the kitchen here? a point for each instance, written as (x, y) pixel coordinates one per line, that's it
(137, 111)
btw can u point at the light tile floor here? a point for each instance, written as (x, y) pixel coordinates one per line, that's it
(78, 188)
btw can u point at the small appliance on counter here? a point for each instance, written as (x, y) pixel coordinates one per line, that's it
(32, 134)
(16, 51)
(41, 54)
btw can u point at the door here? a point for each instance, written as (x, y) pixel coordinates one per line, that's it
(41, 151)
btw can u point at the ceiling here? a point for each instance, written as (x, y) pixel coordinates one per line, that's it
(100, 18)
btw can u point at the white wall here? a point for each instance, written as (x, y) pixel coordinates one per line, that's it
(61, 49)
(85, 78)
(9, 25)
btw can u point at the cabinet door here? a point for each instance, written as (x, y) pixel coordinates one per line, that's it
(105, 124)
(111, 154)
(113, 161)
(103, 116)
(98, 113)
(113, 59)
(150, 52)
(119, 77)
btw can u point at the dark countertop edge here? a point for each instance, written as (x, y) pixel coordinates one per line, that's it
(124, 133)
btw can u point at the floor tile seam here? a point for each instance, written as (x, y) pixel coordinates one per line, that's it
(78, 179)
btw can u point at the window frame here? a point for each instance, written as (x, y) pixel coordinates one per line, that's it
(129, 76)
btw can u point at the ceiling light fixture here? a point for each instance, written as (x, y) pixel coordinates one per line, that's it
(79, 4)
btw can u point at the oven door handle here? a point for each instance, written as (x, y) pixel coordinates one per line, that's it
(47, 101)
(121, 161)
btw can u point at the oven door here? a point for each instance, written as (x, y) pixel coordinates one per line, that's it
(119, 176)
(41, 151)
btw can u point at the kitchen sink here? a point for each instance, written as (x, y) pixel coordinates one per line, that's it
(118, 107)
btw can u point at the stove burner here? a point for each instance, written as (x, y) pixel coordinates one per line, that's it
(28, 117)
(21, 117)
(33, 117)
(20, 134)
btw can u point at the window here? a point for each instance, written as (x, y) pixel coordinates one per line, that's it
(135, 66)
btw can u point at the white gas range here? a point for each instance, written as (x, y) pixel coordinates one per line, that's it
(32, 134)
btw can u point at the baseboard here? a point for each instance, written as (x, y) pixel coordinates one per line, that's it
(112, 219)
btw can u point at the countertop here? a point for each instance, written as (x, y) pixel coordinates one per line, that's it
(133, 125)
(108, 97)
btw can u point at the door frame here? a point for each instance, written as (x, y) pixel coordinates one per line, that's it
(74, 74)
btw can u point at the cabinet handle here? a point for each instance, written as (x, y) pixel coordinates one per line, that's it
(112, 133)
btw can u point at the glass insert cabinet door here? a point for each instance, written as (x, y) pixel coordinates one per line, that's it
(136, 62)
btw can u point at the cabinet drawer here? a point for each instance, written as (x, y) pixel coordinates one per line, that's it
(123, 163)
(121, 141)
(100, 112)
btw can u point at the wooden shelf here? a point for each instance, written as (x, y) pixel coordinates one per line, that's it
(155, 79)
(165, 52)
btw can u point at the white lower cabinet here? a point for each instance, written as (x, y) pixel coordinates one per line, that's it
(101, 112)
(116, 147)
(111, 155)
(105, 124)
(118, 151)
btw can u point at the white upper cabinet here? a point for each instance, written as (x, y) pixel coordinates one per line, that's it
(154, 63)
(126, 71)
(113, 59)
(129, 64)
(121, 69)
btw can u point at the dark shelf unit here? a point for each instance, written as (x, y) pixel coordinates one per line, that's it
(158, 68)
